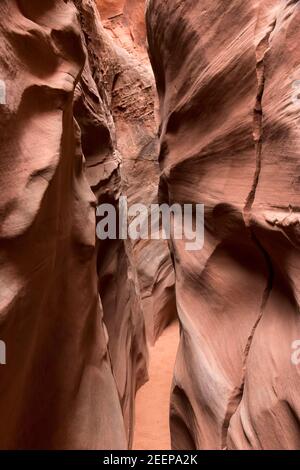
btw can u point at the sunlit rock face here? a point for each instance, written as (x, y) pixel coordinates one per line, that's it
(226, 75)
(125, 22)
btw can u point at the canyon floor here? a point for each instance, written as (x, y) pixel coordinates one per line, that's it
(153, 399)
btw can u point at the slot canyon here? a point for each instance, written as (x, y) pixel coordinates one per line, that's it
(124, 343)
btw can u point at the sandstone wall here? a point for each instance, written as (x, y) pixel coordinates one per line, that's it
(57, 389)
(230, 139)
(78, 129)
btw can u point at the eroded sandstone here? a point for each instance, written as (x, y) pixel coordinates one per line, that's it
(57, 389)
(78, 129)
(230, 139)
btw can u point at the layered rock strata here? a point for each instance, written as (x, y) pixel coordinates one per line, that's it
(226, 74)
(71, 310)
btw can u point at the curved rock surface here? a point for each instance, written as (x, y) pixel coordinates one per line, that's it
(225, 73)
(57, 389)
(78, 128)
(134, 110)
(74, 359)
(117, 277)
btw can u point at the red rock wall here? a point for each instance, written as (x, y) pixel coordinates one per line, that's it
(117, 277)
(57, 389)
(230, 139)
(77, 128)
(73, 310)
(125, 22)
(134, 109)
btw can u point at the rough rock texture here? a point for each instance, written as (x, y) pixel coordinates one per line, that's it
(125, 22)
(117, 276)
(230, 139)
(134, 110)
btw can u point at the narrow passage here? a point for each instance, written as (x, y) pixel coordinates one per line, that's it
(153, 399)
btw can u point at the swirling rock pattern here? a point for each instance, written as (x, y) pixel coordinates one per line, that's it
(230, 139)
(74, 359)
(57, 389)
(77, 128)
(74, 311)
(117, 278)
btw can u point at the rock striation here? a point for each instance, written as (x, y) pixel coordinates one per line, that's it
(71, 307)
(225, 73)
(78, 128)
(135, 113)
(57, 389)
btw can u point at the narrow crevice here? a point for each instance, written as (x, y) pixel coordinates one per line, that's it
(237, 394)
(261, 51)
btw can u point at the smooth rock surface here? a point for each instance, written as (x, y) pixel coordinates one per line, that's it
(230, 139)
(57, 389)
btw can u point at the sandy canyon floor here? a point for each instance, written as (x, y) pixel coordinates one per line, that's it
(153, 399)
